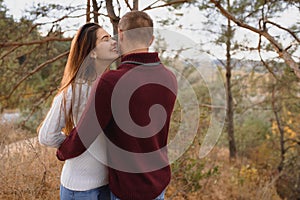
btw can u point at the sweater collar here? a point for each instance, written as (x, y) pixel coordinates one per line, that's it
(142, 57)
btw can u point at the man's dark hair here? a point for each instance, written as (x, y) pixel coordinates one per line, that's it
(142, 24)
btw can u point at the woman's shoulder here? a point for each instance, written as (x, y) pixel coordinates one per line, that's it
(76, 88)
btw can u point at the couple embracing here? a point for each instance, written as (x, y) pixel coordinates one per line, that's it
(111, 126)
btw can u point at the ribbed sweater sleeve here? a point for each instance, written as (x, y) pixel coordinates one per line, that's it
(50, 132)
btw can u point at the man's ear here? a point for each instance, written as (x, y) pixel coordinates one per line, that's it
(151, 41)
(120, 34)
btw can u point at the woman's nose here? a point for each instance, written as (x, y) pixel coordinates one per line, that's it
(114, 42)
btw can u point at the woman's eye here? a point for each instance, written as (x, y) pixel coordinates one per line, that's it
(105, 38)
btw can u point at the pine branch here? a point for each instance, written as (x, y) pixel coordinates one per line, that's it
(34, 71)
(283, 28)
(128, 5)
(49, 39)
(150, 7)
(278, 48)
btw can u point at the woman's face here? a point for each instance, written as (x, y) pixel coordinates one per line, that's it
(106, 47)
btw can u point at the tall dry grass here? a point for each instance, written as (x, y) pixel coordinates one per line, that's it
(28, 170)
(236, 180)
(31, 171)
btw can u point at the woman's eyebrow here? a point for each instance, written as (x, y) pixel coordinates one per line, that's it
(105, 36)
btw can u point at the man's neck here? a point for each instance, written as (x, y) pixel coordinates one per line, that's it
(143, 50)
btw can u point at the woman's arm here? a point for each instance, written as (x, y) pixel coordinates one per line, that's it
(89, 126)
(50, 132)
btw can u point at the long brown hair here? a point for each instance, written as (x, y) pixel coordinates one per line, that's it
(82, 44)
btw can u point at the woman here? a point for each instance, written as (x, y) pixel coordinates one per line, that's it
(92, 51)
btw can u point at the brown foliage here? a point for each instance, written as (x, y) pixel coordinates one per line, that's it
(31, 171)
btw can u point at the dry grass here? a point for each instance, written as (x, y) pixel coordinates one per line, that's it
(30, 171)
(238, 180)
(9, 133)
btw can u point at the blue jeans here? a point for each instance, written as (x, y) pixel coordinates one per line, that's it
(101, 193)
(160, 197)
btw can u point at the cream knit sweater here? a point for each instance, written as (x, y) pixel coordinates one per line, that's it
(84, 172)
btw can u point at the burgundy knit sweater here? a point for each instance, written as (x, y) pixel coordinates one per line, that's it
(133, 105)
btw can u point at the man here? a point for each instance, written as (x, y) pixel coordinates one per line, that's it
(133, 105)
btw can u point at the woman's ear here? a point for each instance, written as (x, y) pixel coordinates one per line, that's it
(93, 54)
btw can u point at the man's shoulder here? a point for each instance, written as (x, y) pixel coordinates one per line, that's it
(110, 77)
(169, 72)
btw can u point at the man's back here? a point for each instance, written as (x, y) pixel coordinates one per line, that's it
(134, 104)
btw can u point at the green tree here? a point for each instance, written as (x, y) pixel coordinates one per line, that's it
(245, 13)
(31, 64)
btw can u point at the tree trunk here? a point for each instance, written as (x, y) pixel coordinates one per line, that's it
(95, 11)
(113, 18)
(135, 5)
(88, 11)
(230, 114)
(281, 131)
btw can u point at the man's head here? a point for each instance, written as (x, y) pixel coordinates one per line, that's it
(135, 32)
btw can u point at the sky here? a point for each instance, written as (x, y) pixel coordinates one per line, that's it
(192, 15)
(192, 21)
